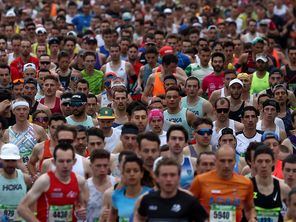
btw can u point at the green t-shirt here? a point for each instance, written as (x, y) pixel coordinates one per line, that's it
(95, 81)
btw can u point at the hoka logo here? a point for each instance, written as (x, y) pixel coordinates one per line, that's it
(12, 187)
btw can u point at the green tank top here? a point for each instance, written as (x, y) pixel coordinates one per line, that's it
(179, 118)
(258, 84)
(12, 192)
(196, 109)
(88, 123)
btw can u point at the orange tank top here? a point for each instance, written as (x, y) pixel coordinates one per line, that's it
(158, 86)
(275, 54)
(46, 153)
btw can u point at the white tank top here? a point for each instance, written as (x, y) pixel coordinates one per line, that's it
(104, 99)
(222, 92)
(120, 72)
(277, 128)
(215, 135)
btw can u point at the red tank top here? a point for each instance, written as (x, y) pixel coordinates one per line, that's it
(57, 105)
(58, 203)
(46, 153)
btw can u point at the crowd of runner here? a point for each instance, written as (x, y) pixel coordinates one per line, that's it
(147, 111)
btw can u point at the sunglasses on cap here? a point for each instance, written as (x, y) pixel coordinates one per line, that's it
(269, 135)
(227, 131)
(17, 81)
(44, 62)
(76, 104)
(204, 131)
(224, 110)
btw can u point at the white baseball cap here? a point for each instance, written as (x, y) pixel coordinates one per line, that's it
(261, 57)
(29, 65)
(10, 151)
(40, 30)
(236, 81)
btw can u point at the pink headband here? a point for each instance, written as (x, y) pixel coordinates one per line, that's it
(155, 114)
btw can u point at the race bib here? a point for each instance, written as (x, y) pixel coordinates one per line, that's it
(10, 212)
(61, 213)
(267, 215)
(222, 213)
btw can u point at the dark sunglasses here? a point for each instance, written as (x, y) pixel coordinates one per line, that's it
(44, 63)
(41, 119)
(204, 131)
(224, 110)
(66, 141)
(76, 104)
(66, 104)
(74, 78)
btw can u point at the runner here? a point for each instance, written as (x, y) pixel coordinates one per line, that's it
(168, 203)
(223, 193)
(61, 195)
(13, 183)
(205, 162)
(269, 192)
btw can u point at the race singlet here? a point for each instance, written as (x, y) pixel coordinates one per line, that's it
(222, 213)
(10, 212)
(60, 213)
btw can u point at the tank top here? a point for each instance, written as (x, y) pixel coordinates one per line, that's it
(95, 201)
(158, 86)
(88, 123)
(25, 141)
(147, 72)
(105, 102)
(259, 84)
(275, 54)
(46, 153)
(215, 135)
(197, 109)
(57, 105)
(58, 203)
(193, 152)
(120, 72)
(187, 172)
(236, 115)
(12, 192)
(290, 78)
(222, 92)
(179, 118)
(97, 64)
(277, 128)
(34, 108)
(250, 66)
(268, 207)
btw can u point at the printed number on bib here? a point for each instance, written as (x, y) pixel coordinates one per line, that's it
(123, 219)
(267, 216)
(26, 156)
(60, 213)
(10, 212)
(222, 213)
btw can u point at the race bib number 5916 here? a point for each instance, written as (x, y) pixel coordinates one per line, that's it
(222, 213)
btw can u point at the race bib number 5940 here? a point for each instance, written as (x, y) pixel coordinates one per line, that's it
(222, 213)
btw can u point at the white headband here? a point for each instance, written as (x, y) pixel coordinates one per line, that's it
(20, 103)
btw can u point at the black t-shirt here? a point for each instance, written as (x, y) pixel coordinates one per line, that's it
(182, 208)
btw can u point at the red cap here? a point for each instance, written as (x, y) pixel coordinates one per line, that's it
(166, 50)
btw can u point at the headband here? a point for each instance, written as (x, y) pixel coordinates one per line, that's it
(20, 103)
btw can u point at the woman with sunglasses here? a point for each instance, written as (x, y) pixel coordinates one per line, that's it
(40, 117)
(124, 198)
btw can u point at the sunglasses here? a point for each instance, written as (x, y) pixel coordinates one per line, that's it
(44, 63)
(204, 131)
(76, 104)
(66, 104)
(74, 78)
(41, 119)
(67, 141)
(16, 81)
(224, 110)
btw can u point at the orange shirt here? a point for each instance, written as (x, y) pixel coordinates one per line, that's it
(158, 86)
(212, 191)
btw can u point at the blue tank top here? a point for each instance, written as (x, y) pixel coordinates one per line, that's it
(187, 173)
(197, 109)
(88, 123)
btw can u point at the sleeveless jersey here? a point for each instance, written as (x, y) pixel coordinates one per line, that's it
(58, 203)
(243, 141)
(46, 153)
(95, 201)
(105, 102)
(25, 141)
(250, 66)
(120, 72)
(194, 153)
(57, 105)
(88, 123)
(268, 207)
(259, 84)
(147, 72)
(197, 109)
(290, 78)
(179, 118)
(236, 115)
(215, 135)
(158, 86)
(277, 128)
(222, 92)
(12, 192)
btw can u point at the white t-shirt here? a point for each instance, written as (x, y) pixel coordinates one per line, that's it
(111, 142)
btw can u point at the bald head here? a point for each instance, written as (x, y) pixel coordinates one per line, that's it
(225, 161)
(225, 149)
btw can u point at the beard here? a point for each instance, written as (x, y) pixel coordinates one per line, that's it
(218, 68)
